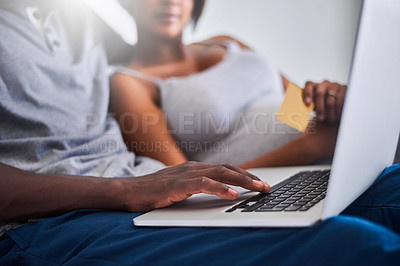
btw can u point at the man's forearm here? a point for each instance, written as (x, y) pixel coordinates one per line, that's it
(28, 195)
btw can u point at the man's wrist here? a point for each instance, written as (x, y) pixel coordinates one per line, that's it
(114, 196)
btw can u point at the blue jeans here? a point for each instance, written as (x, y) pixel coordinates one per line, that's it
(367, 233)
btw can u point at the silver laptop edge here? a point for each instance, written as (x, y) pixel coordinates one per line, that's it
(369, 128)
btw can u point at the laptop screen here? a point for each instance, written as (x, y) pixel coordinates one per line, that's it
(369, 127)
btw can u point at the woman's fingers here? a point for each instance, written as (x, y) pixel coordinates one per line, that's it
(328, 99)
(315, 93)
(331, 109)
(339, 101)
(319, 100)
(308, 93)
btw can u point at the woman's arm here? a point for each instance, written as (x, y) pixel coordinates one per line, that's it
(317, 143)
(143, 125)
(320, 142)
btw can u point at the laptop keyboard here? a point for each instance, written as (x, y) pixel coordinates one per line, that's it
(299, 193)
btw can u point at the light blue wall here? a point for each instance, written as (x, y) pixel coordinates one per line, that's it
(307, 39)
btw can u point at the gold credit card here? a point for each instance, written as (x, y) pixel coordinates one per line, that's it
(293, 111)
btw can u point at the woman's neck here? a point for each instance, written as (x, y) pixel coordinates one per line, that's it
(154, 51)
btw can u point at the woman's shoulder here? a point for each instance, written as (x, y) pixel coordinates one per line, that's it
(130, 83)
(222, 40)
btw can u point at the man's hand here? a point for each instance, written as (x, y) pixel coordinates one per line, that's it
(177, 183)
(328, 99)
(29, 195)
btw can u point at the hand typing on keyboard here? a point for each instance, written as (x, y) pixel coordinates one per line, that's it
(299, 193)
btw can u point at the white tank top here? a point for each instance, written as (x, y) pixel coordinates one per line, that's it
(208, 112)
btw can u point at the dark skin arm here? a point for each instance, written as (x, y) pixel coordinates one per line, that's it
(28, 195)
(318, 142)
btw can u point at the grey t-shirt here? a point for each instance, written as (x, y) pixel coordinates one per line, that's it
(54, 94)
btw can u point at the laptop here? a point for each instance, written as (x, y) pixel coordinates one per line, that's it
(366, 144)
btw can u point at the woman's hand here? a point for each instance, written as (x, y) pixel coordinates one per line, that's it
(328, 99)
(176, 183)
